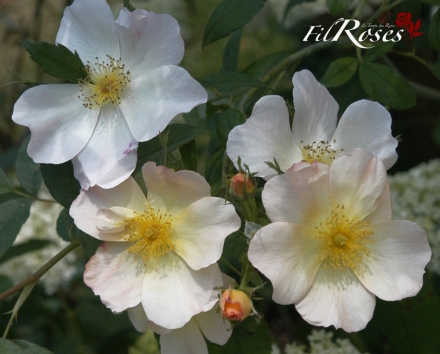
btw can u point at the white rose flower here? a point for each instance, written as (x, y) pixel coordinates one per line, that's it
(132, 91)
(314, 136)
(160, 251)
(332, 246)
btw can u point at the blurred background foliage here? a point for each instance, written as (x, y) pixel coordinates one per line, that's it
(66, 317)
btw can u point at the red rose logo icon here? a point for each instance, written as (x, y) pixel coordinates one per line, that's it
(403, 19)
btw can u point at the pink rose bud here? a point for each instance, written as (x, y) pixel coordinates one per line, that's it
(235, 305)
(242, 186)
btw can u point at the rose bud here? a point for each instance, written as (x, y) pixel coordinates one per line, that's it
(242, 186)
(235, 305)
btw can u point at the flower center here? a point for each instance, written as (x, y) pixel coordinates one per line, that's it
(344, 241)
(104, 83)
(318, 152)
(151, 232)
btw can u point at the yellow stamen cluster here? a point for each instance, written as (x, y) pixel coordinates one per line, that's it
(318, 152)
(343, 241)
(151, 233)
(104, 83)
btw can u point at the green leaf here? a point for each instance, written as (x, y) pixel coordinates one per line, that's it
(227, 120)
(340, 71)
(232, 51)
(129, 6)
(248, 337)
(65, 225)
(61, 182)
(435, 68)
(56, 60)
(5, 184)
(28, 172)
(22, 248)
(291, 4)
(262, 65)
(5, 283)
(18, 346)
(13, 214)
(230, 15)
(189, 155)
(338, 6)
(89, 243)
(382, 84)
(379, 50)
(179, 134)
(434, 30)
(228, 81)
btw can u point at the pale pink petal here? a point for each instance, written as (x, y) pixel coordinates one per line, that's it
(395, 267)
(200, 230)
(299, 196)
(185, 340)
(150, 101)
(383, 211)
(88, 27)
(357, 181)
(110, 155)
(366, 125)
(316, 111)
(84, 209)
(148, 40)
(59, 123)
(115, 275)
(337, 298)
(141, 322)
(172, 292)
(213, 326)
(287, 255)
(265, 135)
(173, 191)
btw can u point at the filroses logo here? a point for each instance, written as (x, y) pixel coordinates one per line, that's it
(373, 32)
(403, 19)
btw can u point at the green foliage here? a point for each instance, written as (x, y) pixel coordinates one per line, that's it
(291, 4)
(28, 172)
(340, 71)
(5, 283)
(61, 182)
(22, 248)
(146, 343)
(5, 184)
(229, 16)
(189, 155)
(89, 243)
(262, 65)
(227, 81)
(226, 121)
(56, 60)
(231, 53)
(13, 214)
(409, 326)
(336, 7)
(16, 346)
(382, 84)
(248, 337)
(65, 225)
(434, 30)
(152, 150)
(379, 50)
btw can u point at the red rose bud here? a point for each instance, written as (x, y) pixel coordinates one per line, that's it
(403, 19)
(242, 186)
(235, 305)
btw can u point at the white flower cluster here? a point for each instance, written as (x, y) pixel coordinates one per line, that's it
(416, 197)
(41, 225)
(320, 343)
